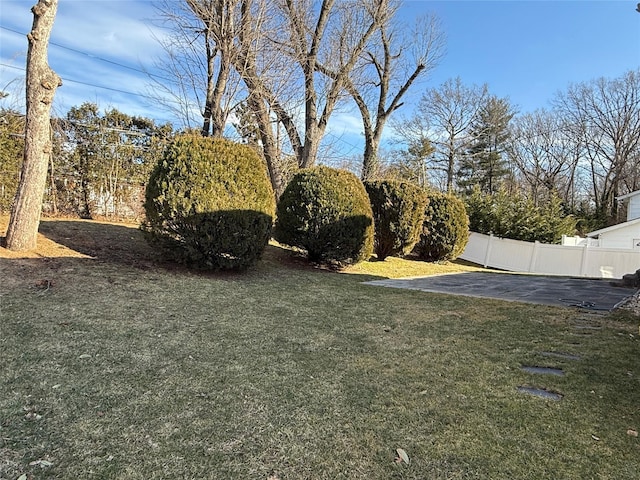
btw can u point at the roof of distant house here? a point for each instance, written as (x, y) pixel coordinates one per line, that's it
(613, 227)
(628, 195)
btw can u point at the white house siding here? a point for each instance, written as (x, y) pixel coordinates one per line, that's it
(633, 209)
(621, 237)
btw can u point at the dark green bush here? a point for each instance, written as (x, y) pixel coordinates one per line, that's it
(327, 213)
(398, 213)
(445, 231)
(513, 215)
(209, 204)
(11, 151)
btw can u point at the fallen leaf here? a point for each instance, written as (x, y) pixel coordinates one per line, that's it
(633, 433)
(402, 455)
(44, 283)
(22, 477)
(41, 463)
(85, 355)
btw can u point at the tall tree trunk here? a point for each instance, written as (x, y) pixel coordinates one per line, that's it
(41, 86)
(370, 165)
(209, 97)
(451, 157)
(371, 162)
(269, 150)
(52, 186)
(312, 138)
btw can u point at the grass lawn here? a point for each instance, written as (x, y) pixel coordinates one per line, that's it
(115, 365)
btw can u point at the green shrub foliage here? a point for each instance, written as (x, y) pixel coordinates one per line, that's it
(327, 213)
(11, 151)
(398, 213)
(445, 231)
(209, 204)
(512, 215)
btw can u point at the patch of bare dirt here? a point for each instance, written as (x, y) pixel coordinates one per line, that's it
(75, 238)
(46, 248)
(66, 246)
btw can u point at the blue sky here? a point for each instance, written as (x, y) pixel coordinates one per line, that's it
(528, 50)
(524, 50)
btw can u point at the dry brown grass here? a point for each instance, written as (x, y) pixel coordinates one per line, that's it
(47, 247)
(122, 243)
(115, 365)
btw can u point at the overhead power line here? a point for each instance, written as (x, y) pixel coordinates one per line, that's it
(66, 79)
(92, 56)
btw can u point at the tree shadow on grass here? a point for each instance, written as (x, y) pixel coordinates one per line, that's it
(74, 245)
(67, 249)
(125, 245)
(104, 242)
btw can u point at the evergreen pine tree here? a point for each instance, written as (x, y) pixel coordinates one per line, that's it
(483, 164)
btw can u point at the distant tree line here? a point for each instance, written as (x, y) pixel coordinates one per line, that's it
(579, 155)
(99, 164)
(583, 151)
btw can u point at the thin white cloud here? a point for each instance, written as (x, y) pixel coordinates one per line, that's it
(344, 123)
(347, 128)
(109, 29)
(91, 46)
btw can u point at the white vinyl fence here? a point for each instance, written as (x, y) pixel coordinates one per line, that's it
(583, 261)
(577, 241)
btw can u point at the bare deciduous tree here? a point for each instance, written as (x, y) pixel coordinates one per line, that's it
(545, 155)
(251, 60)
(444, 116)
(396, 58)
(41, 85)
(325, 45)
(605, 114)
(296, 59)
(197, 71)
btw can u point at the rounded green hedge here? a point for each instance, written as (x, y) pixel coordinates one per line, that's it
(445, 231)
(327, 213)
(209, 204)
(398, 214)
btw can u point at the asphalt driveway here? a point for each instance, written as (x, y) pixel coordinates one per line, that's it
(594, 294)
